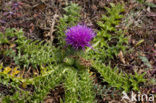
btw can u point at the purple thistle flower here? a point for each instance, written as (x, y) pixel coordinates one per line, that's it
(79, 36)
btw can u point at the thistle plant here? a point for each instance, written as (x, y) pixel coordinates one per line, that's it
(69, 66)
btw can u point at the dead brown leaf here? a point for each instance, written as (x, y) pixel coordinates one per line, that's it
(122, 59)
(0, 2)
(49, 100)
(94, 7)
(40, 6)
(150, 1)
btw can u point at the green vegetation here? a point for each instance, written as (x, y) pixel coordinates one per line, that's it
(28, 52)
(118, 79)
(70, 18)
(109, 40)
(107, 44)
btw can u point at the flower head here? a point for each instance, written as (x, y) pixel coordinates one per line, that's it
(79, 36)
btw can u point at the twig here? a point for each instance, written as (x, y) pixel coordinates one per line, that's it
(52, 26)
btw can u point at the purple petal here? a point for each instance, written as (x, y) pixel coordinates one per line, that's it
(79, 36)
